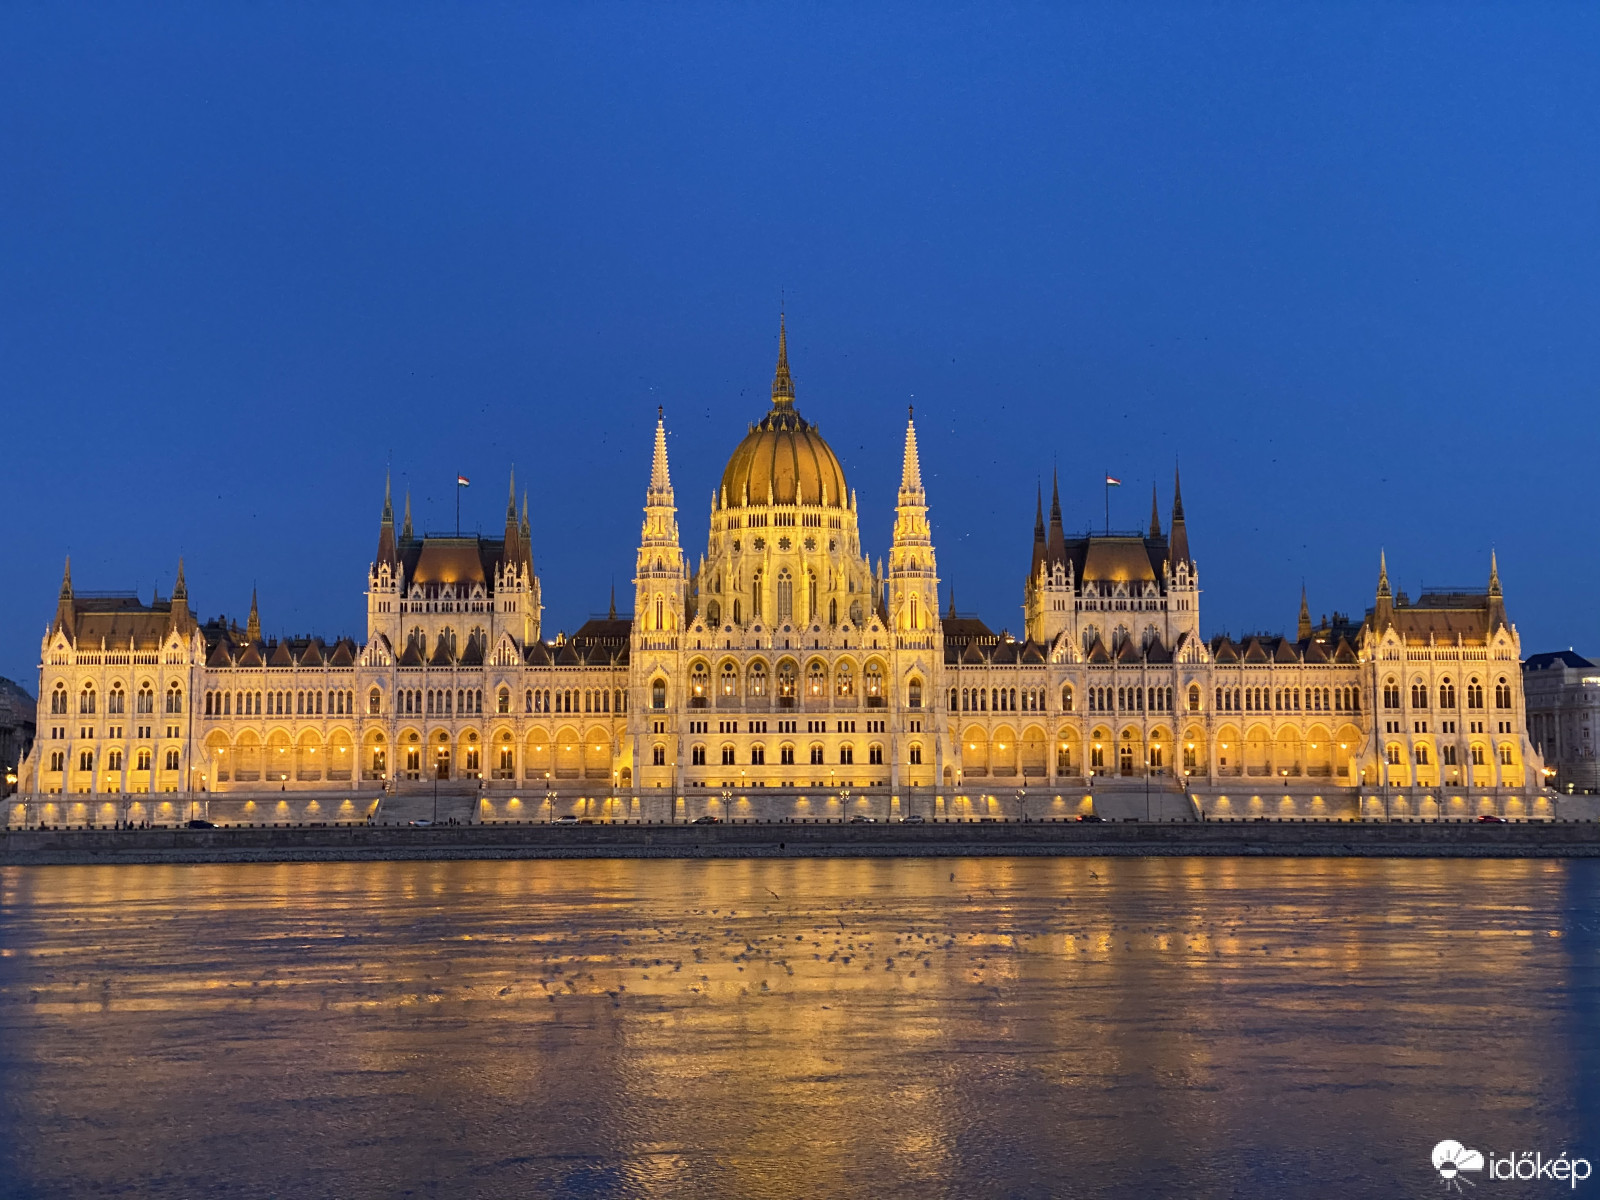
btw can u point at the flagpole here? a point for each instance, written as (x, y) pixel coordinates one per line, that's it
(1108, 502)
(458, 504)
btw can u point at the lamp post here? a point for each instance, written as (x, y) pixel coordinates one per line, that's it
(549, 800)
(436, 792)
(1022, 803)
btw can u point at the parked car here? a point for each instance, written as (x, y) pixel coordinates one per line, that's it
(197, 823)
(1491, 819)
(858, 819)
(914, 819)
(1091, 818)
(708, 819)
(566, 819)
(421, 822)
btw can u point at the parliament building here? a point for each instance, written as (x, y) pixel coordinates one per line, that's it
(783, 675)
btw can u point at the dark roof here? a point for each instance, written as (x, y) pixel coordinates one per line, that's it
(1558, 658)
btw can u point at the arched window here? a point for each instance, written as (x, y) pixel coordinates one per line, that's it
(730, 679)
(1478, 759)
(1474, 694)
(174, 698)
(811, 596)
(1422, 756)
(1066, 698)
(697, 756)
(1391, 693)
(872, 683)
(1419, 695)
(658, 694)
(58, 700)
(503, 700)
(713, 613)
(788, 680)
(785, 597)
(844, 681)
(816, 680)
(914, 694)
(116, 700)
(816, 756)
(145, 701)
(86, 700)
(1194, 697)
(1447, 694)
(1502, 693)
(658, 753)
(374, 702)
(758, 679)
(1505, 754)
(1394, 754)
(699, 683)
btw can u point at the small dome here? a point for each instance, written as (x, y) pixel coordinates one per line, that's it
(783, 456)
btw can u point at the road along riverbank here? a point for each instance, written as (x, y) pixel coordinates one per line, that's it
(334, 843)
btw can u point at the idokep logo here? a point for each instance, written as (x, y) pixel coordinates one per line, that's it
(1454, 1162)
(1451, 1159)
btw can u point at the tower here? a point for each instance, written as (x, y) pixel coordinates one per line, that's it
(516, 588)
(913, 578)
(660, 592)
(385, 581)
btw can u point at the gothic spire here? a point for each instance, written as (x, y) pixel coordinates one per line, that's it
(512, 555)
(1303, 632)
(1056, 547)
(782, 384)
(952, 615)
(1155, 515)
(1179, 551)
(386, 553)
(252, 629)
(1497, 602)
(1383, 609)
(911, 466)
(1383, 574)
(660, 476)
(180, 618)
(1494, 574)
(405, 530)
(64, 610)
(1038, 534)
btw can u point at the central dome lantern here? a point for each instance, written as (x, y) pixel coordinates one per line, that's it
(783, 460)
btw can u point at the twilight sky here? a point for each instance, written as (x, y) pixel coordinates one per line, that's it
(1341, 262)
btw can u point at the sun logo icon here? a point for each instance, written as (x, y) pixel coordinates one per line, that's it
(1451, 1158)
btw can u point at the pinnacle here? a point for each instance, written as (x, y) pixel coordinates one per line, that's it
(911, 469)
(660, 477)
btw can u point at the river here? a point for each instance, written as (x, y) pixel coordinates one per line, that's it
(806, 1028)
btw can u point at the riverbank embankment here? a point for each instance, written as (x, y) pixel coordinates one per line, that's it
(355, 843)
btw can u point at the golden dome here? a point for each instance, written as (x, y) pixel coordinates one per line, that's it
(783, 459)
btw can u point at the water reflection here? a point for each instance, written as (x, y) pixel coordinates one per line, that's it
(788, 1028)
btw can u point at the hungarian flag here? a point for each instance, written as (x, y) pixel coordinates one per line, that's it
(1113, 481)
(463, 481)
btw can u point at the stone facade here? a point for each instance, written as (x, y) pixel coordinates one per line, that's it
(1563, 694)
(785, 675)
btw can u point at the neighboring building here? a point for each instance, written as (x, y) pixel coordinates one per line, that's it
(17, 710)
(1563, 694)
(788, 671)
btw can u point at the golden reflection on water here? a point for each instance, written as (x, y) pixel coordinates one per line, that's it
(769, 1028)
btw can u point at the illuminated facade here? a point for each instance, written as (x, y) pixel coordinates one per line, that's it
(788, 671)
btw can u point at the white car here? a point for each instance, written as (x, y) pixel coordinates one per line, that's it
(421, 822)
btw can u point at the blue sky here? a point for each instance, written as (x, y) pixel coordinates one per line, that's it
(1340, 261)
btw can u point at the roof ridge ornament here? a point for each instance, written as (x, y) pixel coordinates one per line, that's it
(782, 381)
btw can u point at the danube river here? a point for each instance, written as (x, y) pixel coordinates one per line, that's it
(806, 1028)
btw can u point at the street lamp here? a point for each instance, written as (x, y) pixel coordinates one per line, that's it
(1022, 803)
(549, 799)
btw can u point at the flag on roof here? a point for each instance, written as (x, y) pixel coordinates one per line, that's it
(1113, 481)
(463, 481)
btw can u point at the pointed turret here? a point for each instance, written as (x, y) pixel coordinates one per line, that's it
(952, 614)
(1056, 547)
(252, 628)
(1303, 630)
(611, 613)
(512, 557)
(386, 549)
(405, 530)
(782, 383)
(64, 610)
(181, 619)
(660, 476)
(526, 532)
(910, 465)
(1383, 609)
(1155, 516)
(1497, 601)
(1038, 536)
(1180, 530)
(912, 578)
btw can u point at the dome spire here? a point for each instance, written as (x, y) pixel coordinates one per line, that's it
(782, 383)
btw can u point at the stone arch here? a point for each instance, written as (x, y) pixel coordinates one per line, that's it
(757, 683)
(975, 752)
(538, 757)
(816, 681)
(568, 747)
(1347, 742)
(1258, 751)
(1193, 755)
(1102, 751)
(219, 757)
(1319, 752)
(375, 763)
(597, 753)
(1287, 761)
(1035, 747)
(341, 762)
(1230, 751)
(727, 679)
(278, 761)
(1069, 751)
(1003, 752)
(1159, 751)
(1130, 751)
